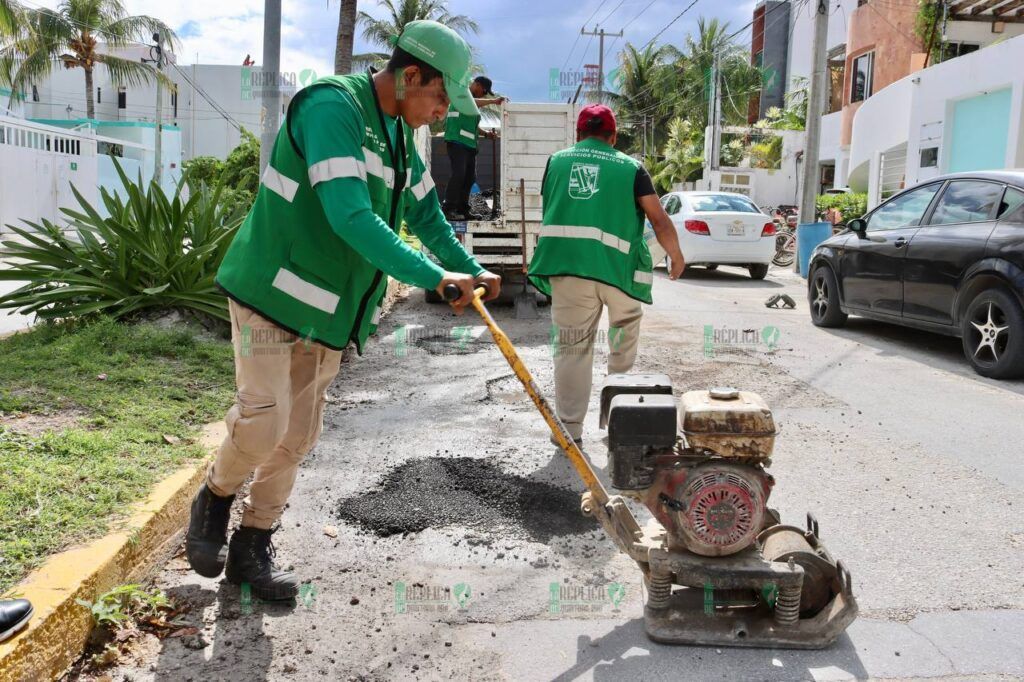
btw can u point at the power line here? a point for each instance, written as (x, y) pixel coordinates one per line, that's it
(664, 28)
(677, 17)
(198, 88)
(195, 86)
(609, 15)
(576, 42)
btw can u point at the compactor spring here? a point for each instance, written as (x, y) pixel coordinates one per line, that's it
(787, 605)
(659, 589)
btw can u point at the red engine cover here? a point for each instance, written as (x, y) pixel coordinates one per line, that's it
(714, 508)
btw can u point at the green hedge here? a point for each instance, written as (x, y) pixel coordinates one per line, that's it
(850, 205)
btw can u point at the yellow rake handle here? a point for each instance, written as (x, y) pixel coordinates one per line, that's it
(576, 456)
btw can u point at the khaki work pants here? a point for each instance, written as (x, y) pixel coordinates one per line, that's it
(576, 306)
(277, 416)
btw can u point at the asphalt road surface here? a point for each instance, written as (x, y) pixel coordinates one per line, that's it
(439, 534)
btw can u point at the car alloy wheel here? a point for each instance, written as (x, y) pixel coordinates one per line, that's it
(820, 301)
(823, 297)
(993, 335)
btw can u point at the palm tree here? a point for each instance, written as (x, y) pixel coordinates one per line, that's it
(647, 79)
(70, 36)
(346, 33)
(739, 78)
(381, 31)
(9, 11)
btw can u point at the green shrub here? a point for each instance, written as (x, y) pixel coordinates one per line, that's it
(850, 205)
(238, 176)
(204, 169)
(153, 252)
(767, 153)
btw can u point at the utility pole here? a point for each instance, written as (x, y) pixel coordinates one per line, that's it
(815, 109)
(714, 143)
(271, 95)
(158, 59)
(600, 57)
(644, 133)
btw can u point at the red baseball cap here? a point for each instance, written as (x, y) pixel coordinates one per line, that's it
(596, 118)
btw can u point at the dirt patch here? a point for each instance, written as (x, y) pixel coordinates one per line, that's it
(35, 424)
(436, 492)
(750, 371)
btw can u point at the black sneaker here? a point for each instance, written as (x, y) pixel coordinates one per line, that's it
(14, 615)
(206, 544)
(250, 560)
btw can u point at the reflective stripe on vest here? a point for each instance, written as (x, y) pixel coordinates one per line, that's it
(280, 185)
(466, 133)
(310, 294)
(336, 167)
(641, 277)
(584, 232)
(375, 166)
(423, 187)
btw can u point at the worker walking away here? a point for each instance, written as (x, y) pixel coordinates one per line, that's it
(591, 255)
(307, 274)
(461, 134)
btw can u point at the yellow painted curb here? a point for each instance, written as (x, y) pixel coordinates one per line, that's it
(59, 628)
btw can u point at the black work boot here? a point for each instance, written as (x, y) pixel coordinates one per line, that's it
(250, 558)
(206, 545)
(14, 615)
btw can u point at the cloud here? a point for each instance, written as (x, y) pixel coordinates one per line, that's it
(519, 42)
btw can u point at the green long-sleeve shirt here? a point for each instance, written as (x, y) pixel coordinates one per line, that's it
(326, 125)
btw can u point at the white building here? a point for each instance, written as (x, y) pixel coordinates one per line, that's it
(871, 44)
(211, 102)
(961, 115)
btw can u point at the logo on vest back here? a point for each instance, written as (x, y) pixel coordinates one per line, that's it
(583, 180)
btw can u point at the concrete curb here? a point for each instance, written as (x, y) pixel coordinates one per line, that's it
(59, 629)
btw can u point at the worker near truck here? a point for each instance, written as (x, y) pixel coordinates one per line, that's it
(307, 273)
(461, 135)
(592, 255)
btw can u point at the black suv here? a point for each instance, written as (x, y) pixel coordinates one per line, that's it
(944, 256)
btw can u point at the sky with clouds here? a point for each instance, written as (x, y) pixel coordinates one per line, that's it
(519, 42)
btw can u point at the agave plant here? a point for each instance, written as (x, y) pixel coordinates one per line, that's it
(152, 253)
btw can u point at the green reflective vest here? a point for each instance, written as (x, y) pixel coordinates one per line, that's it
(592, 226)
(461, 128)
(288, 264)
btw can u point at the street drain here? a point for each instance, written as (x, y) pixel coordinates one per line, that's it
(438, 491)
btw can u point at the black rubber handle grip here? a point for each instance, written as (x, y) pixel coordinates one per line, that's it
(452, 291)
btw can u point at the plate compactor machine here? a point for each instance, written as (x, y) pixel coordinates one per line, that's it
(720, 567)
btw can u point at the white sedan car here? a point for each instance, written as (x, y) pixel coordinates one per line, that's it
(722, 228)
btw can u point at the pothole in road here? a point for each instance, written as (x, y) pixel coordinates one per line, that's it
(438, 491)
(504, 389)
(458, 342)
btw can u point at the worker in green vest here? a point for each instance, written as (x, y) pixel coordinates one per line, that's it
(461, 134)
(592, 255)
(307, 273)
